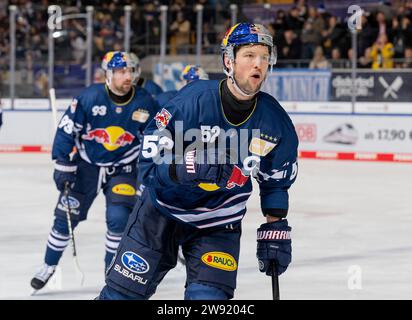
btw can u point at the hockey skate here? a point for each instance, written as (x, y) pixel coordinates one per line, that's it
(41, 278)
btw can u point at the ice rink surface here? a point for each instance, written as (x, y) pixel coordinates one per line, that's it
(352, 232)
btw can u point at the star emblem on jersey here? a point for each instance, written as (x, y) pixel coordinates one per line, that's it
(262, 146)
(162, 118)
(141, 115)
(134, 262)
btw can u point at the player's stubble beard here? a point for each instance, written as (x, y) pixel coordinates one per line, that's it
(246, 86)
(122, 89)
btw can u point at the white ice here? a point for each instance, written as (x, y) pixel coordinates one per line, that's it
(352, 226)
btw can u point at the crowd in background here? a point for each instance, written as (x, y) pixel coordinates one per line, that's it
(304, 31)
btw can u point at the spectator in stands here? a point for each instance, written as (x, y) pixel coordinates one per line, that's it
(384, 28)
(319, 61)
(41, 84)
(318, 23)
(365, 61)
(348, 62)
(302, 8)
(407, 63)
(152, 25)
(402, 34)
(333, 36)
(78, 47)
(310, 39)
(293, 20)
(4, 47)
(289, 46)
(180, 34)
(368, 35)
(382, 53)
(280, 21)
(336, 58)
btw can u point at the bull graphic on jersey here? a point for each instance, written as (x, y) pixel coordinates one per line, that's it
(237, 178)
(111, 138)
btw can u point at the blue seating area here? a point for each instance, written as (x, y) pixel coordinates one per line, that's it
(69, 80)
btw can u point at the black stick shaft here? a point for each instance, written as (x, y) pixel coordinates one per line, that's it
(275, 282)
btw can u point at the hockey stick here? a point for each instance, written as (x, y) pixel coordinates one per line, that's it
(275, 282)
(73, 244)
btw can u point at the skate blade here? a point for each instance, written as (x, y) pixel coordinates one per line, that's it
(33, 292)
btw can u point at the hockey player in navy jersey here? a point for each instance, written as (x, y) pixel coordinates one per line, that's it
(198, 157)
(105, 124)
(190, 73)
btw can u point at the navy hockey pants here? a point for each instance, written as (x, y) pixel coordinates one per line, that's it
(119, 187)
(149, 249)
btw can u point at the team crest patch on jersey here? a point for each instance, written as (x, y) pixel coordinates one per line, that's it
(262, 147)
(73, 106)
(162, 118)
(219, 260)
(124, 189)
(141, 115)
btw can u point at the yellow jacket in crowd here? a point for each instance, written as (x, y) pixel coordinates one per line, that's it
(382, 56)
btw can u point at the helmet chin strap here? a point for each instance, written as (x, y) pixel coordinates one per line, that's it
(109, 75)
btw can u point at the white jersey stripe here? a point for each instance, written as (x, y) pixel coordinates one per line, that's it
(212, 214)
(203, 209)
(216, 223)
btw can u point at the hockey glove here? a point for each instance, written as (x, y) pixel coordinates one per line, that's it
(274, 244)
(64, 172)
(207, 170)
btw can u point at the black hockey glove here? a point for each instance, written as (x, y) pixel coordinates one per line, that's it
(195, 170)
(64, 172)
(274, 244)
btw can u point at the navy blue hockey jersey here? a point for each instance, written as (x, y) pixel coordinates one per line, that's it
(164, 97)
(264, 147)
(104, 133)
(152, 87)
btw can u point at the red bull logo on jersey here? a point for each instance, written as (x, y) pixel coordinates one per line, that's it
(220, 260)
(111, 138)
(162, 118)
(237, 178)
